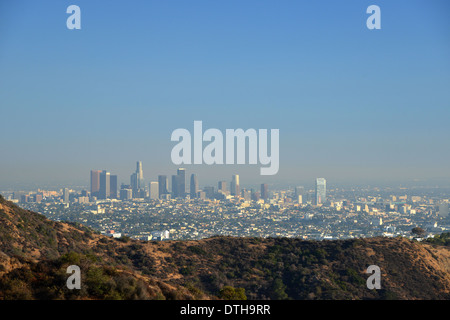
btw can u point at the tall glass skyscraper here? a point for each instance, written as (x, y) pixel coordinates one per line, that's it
(137, 179)
(194, 186)
(66, 194)
(154, 190)
(321, 191)
(181, 189)
(175, 184)
(163, 184)
(105, 185)
(222, 186)
(95, 182)
(264, 191)
(113, 187)
(140, 175)
(179, 183)
(235, 190)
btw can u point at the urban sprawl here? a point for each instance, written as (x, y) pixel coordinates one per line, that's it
(153, 212)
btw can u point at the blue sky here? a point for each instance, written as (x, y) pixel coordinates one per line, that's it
(353, 105)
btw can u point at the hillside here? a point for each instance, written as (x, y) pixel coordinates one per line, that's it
(35, 252)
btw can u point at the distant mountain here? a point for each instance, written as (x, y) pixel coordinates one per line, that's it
(35, 252)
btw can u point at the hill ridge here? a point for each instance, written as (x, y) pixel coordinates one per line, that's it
(35, 252)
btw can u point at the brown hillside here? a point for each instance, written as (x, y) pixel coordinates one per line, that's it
(34, 253)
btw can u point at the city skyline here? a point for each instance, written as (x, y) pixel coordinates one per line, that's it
(357, 106)
(293, 213)
(103, 185)
(212, 181)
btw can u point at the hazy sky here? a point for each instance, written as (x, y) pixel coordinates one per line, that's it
(353, 105)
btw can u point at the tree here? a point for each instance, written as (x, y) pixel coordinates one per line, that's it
(278, 290)
(230, 293)
(417, 231)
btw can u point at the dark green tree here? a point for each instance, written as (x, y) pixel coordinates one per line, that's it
(417, 231)
(231, 293)
(279, 290)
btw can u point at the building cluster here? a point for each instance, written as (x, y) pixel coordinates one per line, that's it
(104, 186)
(154, 211)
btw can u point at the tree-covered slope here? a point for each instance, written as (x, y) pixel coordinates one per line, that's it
(35, 252)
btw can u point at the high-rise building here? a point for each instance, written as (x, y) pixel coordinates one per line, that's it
(140, 175)
(299, 194)
(264, 191)
(133, 181)
(181, 188)
(126, 194)
(95, 182)
(222, 186)
(105, 185)
(38, 197)
(443, 209)
(65, 196)
(17, 195)
(194, 186)
(299, 191)
(256, 196)
(113, 189)
(175, 184)
(179, 183)
(154, 190)
(163, 184)
(246, 194)
(321, 191)
(235, 190)
(137, 180)
(209, 192)
(201, 195)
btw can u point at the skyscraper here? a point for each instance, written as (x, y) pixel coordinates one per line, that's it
(181, 188)
(299, 191)
(175, 185)
(163, 184)
(95, 182)
(222, 186)
(299, 194)
(134, 182)
(66, 194)
(246, 194)
(126, 193)
(154, 190)
(321, 191)
(209, 192)
(202, 195)
(105, 185)
(264, 191)
(443, 209)
(194, 186)
(235, 190)
(137, 180)
(140, 175)
(113, 189)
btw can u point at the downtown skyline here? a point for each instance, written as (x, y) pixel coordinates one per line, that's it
(104, 185)
(354, 105)
(211, 178)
